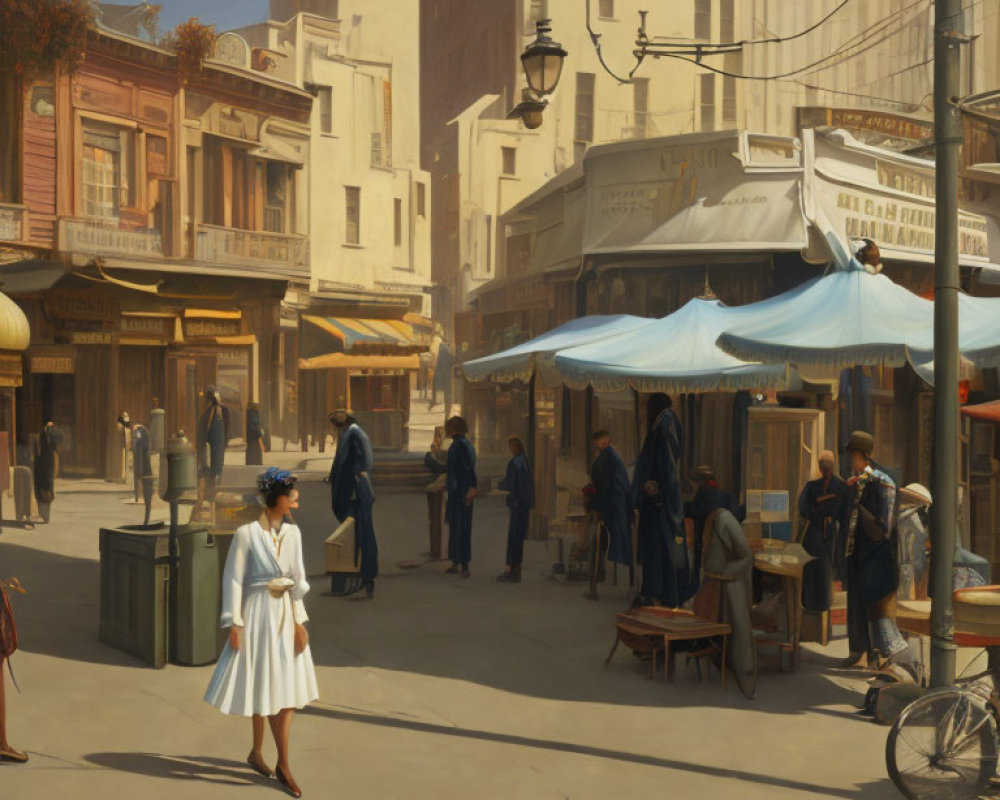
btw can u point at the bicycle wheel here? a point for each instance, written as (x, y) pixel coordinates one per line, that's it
(943, 747)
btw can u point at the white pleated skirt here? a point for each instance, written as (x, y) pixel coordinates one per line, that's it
(264, 676)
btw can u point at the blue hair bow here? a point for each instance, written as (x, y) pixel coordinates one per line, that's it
(275, 477)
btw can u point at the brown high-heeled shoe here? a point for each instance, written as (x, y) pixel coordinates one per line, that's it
(257, 764)
(13, 756)
(290, 786)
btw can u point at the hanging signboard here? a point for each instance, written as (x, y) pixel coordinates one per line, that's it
(871, 194)
(699, 192)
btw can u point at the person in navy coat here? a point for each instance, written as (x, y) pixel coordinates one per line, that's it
(461, 487)
(351, 492)
(520, 488)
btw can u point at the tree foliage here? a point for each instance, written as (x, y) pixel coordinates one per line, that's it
(193, 42)
(36, 34)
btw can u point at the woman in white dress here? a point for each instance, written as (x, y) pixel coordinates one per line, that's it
(266, 669)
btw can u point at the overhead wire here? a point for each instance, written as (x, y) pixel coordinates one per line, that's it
(857, 40)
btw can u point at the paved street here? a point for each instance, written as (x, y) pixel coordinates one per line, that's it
(440, 688)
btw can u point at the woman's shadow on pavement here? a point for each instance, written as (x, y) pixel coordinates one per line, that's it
(187, 768)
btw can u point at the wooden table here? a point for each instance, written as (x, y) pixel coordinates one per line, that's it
(643, 629)
(790, 573)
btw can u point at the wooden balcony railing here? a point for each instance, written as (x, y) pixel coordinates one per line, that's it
(260, 248)
(97, 237)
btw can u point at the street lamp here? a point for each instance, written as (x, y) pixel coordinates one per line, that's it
(529, 110)
(542, 61)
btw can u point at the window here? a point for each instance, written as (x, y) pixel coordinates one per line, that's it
(509, 155)
(10, 190)
(728, 102)
(707, 102)
(640, 103)
(278, 177)
(376, 153)
(727, 21)
(397, 222)
(325, 96)
(702, 19)
(421, 200)
(489, 244)
(108, 170)
(607, 9)
(352, 234)
(584, 107)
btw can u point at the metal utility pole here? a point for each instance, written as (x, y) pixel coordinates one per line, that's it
(948, 35)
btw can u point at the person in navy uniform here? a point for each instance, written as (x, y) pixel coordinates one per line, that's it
(520, 488)
(823, 506)
(462, 487)
(609, 507)
(656, 497)
(351, 492)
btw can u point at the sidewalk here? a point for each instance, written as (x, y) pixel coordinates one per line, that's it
(439, 688)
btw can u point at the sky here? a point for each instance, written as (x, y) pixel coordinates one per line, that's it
(224, 14)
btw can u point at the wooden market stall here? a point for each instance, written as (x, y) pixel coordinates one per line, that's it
(364, 365)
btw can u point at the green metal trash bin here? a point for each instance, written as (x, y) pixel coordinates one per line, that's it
(223, 541)
(199, 597)
(135, 580)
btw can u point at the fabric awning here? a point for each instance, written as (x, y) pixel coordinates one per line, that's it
(15, 332)
(988, 411)
(851, 317)
(348, 361)
(521, 361)
(353, 332)
(843, 319)
(674, 354)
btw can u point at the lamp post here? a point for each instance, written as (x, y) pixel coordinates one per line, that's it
(944, 479)
(542, 62)
(181, 478)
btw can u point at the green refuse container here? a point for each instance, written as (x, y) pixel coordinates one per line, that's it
(199, 597)
(135, 582)
(223, 539)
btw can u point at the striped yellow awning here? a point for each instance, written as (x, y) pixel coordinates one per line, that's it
(352, 332)
(348, 361)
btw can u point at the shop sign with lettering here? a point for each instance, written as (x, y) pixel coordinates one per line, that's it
(210, 328)
(52, 365)
(80, 306)
(90, 337)
(891, 202)
(154, 327)
(11, 373)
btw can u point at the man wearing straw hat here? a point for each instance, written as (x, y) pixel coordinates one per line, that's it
(872, 567)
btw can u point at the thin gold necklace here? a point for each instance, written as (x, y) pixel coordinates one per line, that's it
(276, 538)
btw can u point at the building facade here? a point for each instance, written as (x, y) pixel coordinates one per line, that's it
(370, 206)
(169, 217)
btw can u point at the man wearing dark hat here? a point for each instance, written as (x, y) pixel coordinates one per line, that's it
(461, 485)
(872, 568)
(212, 435)
(708, 497)
(656, 497)
(351, 492)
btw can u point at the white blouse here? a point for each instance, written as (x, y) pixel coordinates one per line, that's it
(257, 556)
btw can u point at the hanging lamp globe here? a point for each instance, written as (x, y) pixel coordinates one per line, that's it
(542, 61)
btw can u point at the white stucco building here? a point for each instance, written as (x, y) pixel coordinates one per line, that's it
(369, 201)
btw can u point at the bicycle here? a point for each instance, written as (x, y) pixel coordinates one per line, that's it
(943, 746)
